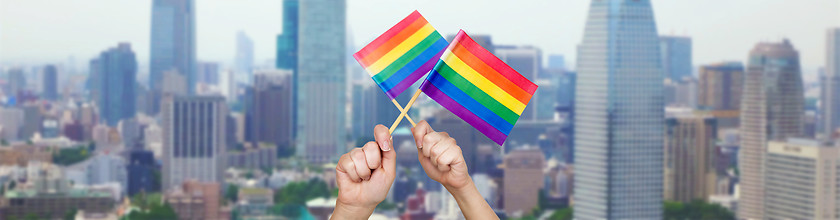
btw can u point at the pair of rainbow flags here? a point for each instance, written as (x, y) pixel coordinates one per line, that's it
(465, 78)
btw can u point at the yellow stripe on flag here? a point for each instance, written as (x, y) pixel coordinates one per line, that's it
(400, 49)
(482, 83)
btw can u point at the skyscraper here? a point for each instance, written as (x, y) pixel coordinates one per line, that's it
(771, 109)
(689, 155)
(117, 74)
(17, 81)
(801, 179)
(194, 139)
(720, 86)
(831, 85)
(244, 55)
(619, 117)
(321, 80)
(676, 57)
(272, 108)
(287, 50)
(287, 42)
(521, 192)
(172, 45)
(50, 82)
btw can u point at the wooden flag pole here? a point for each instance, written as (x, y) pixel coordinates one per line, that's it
(401, 110)
(405, 111)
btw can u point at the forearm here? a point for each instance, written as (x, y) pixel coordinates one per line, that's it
(471, 203)
(348, 212)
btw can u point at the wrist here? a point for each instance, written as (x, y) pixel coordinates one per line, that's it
(460, 190)
(348, 211)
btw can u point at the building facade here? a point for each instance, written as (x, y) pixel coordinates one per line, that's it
(771, 109)
(689, 155)
(619, 117)
(523, 164)
(801, 180)
(50, 82)
(830, 97)
(676, 57)
(194, 139)
(271, 112)
(172, 45)
(118, 75)
(320, 82)
(244, 55)
(720, 86)
(196, 200)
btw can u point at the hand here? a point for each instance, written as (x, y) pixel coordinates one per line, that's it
(443, 161)
(441, 157)
(364, 176)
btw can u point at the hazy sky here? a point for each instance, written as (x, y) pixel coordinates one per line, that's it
(53, 30)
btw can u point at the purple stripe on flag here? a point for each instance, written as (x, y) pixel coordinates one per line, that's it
(408, 81)
(456, 108)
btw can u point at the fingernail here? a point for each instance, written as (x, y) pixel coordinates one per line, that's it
(386, 146)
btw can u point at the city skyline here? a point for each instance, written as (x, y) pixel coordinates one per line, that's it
(746, 22)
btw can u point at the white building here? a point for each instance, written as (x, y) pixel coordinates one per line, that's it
(194, 145)
(801, 180)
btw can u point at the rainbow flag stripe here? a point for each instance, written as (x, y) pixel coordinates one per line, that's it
(479, 88)
(403, 54)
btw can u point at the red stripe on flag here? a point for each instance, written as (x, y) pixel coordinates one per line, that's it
(494, 62)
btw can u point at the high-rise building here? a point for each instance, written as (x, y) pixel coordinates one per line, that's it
(50, 82)
(11, 119)
(244, 55)
(320, 82)
(689, 155)
(556, 61)
(720, 86)
(676, 57)
(287, 42)
(272, 108)
(117, 68)
(771, 109)
(523, 164)
(207, 73)
(172, 45)
(140, 169)
(17, 81)
(194, 139)
(619, 117)
(831, 86)
(287, 50)
(801, 179)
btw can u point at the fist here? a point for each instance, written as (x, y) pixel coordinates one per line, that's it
(440, 157)
(364, 175)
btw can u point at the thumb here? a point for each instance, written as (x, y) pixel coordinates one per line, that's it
(389, 162)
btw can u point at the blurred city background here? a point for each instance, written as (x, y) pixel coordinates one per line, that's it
(219, 109)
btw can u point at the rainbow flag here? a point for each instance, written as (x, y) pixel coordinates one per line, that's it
(403, 54)
(479, 88)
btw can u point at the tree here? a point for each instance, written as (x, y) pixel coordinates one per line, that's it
(291, 199)
(697, 209)
(157, 211)
(232, 193)
(562, 214)
(69, 156)
(70, 215)
(4, 142)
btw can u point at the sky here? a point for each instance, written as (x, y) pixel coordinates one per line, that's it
(51, 31)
